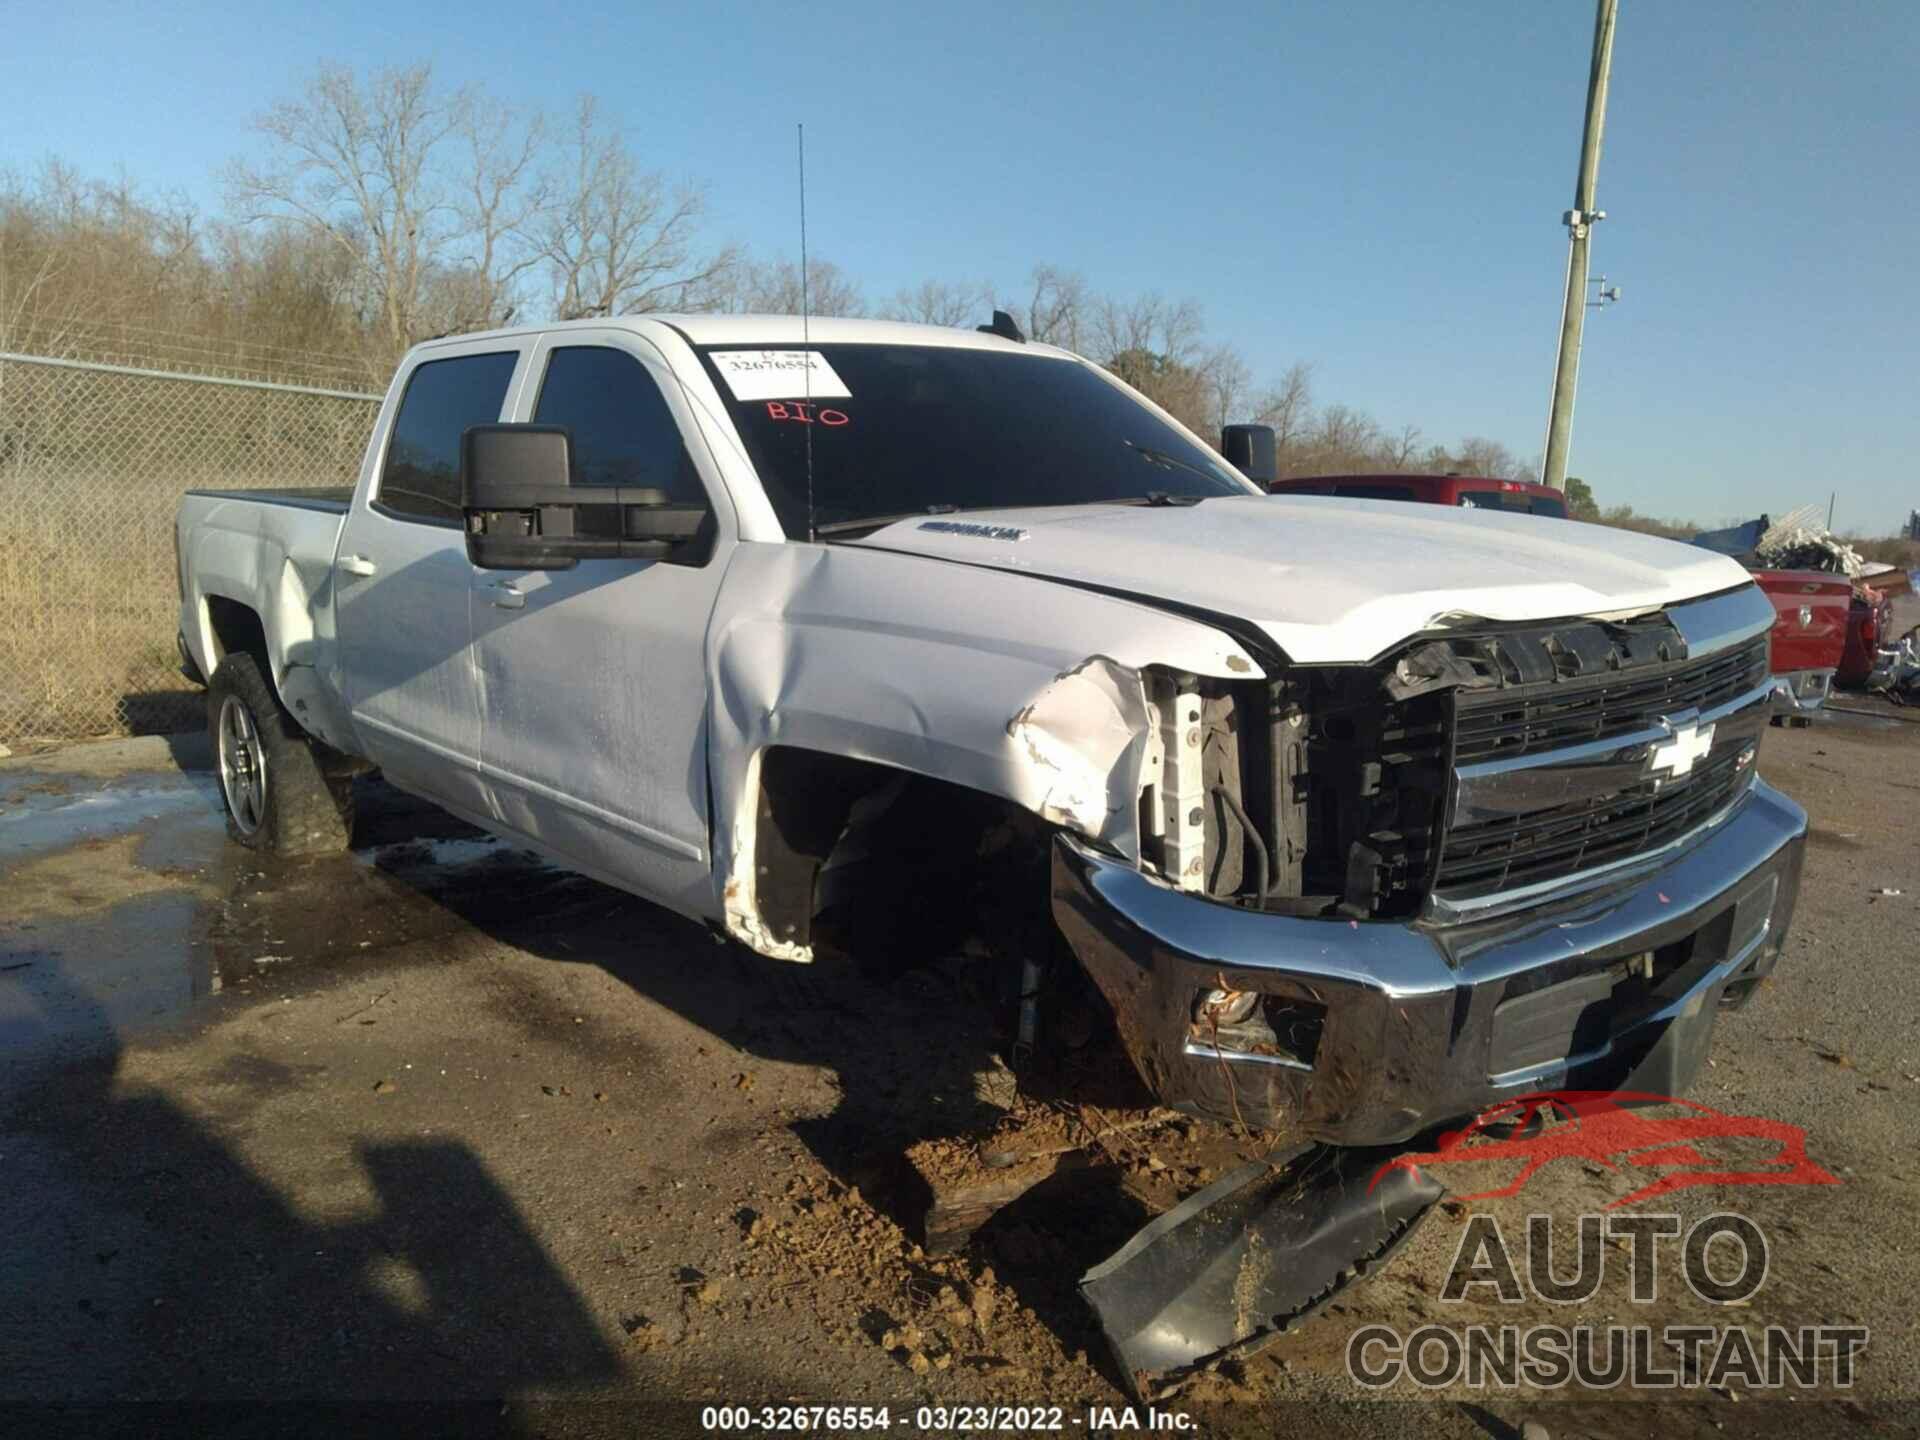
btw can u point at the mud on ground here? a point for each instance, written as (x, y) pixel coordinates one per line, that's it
(435, 1120)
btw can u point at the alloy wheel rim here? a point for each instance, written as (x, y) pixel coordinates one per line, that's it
(243, 765)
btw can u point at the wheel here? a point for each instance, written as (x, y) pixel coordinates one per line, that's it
(279, 795)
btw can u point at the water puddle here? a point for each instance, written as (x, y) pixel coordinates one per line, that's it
(123, 903)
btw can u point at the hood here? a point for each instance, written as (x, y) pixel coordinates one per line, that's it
(1330, 580)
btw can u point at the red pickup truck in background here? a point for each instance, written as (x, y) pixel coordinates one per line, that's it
(1821, 564)
(1809, 637)
(1475, 492)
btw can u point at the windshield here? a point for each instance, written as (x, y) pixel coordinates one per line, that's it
(912, 429)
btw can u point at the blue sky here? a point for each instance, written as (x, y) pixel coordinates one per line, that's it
(1375, 189)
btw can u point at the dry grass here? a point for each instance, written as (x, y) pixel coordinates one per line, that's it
(92, 610)
(1891, 551)
(92, 468)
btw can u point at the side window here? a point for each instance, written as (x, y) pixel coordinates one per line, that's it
(421, 477)
(623, 432)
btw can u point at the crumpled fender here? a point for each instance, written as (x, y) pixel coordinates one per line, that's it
(1012, 686)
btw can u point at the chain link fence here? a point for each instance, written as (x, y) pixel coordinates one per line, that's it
(93, 461)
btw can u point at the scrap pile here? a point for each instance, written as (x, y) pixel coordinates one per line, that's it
(1897, 675)
(1798, 541)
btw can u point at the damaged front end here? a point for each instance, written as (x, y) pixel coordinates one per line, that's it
(1495, 861)
(1370, 898)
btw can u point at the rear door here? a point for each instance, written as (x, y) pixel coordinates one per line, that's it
(403, 584)
(594, 679)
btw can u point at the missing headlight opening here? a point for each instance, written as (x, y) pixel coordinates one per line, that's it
(1312, 794)
(1321, 791)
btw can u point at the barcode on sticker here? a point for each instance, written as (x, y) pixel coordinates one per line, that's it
(779, 375)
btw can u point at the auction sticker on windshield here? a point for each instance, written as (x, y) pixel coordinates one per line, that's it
(779, 375)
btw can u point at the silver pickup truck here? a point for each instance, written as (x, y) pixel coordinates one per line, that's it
(1359, 815)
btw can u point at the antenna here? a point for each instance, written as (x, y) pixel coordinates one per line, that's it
(806, 329)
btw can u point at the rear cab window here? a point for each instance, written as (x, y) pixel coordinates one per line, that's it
(1376, 492)
(1517, 502)
(420, 477)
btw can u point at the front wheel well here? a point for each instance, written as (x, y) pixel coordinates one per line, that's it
(889, 866)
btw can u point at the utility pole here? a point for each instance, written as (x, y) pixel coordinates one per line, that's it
(1579, 222)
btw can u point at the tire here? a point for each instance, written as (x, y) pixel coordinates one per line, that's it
(278, 794)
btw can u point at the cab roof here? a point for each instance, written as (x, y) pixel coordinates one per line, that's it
(783, 331)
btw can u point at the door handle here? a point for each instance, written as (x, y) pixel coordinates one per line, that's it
(357, 565)
(506, 597)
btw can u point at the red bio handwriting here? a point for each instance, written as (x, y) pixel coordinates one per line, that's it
(804, 413)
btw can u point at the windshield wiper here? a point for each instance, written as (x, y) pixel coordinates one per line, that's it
(874, 522)
(1156, 498)
(1172, 462)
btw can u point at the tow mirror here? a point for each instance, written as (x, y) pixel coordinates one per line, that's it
(522, 510)
(1250, 450)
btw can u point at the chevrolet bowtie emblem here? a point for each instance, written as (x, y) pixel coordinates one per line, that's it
(1690, 742)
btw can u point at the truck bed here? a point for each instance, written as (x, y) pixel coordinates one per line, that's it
(1811, 631)
(329, 499)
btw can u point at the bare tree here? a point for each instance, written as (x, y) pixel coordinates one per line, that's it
(1399, 449)
(1343, 439)
(1227, 376)
(1056, 308)
(773, 288)
(357, 164)
(938, 302)
(1287, 405)
(87, 265)
(31, 268)
(1477, 455)
(500, 200)
(1156, 347)
(1172, 330)
(618, 239)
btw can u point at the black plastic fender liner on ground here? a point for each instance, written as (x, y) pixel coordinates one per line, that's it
(1230, 1268)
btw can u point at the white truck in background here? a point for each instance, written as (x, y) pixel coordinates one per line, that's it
(1359, 815)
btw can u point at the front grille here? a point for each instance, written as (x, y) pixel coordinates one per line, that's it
(1523, 720)
(1512, 852)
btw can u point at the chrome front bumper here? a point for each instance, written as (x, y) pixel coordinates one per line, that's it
(1414, 1024)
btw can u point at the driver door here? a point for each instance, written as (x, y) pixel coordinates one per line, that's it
(593, 679)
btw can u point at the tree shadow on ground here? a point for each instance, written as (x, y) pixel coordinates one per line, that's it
(148, 1262)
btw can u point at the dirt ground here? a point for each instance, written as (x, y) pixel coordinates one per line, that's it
(434, 1125)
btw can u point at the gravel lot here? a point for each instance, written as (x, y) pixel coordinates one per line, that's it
(434, 1123)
